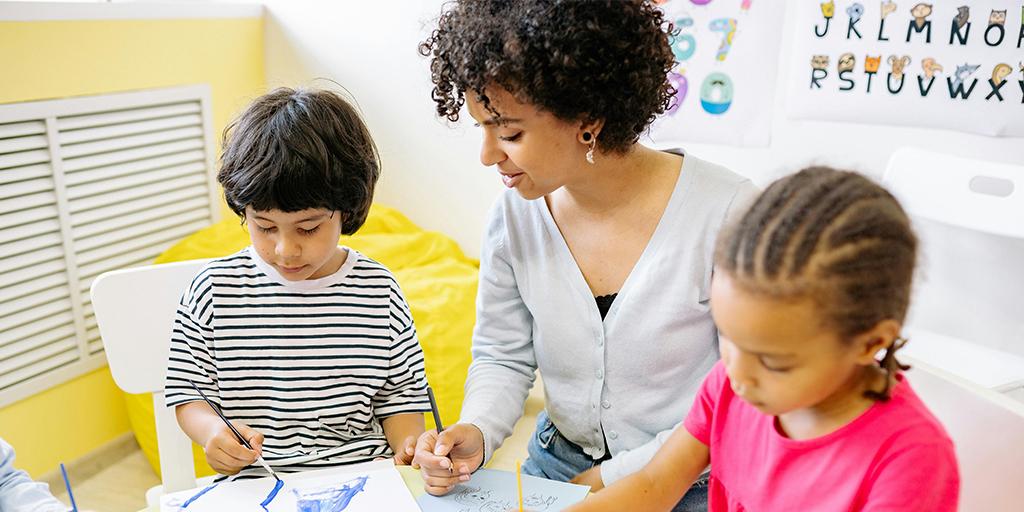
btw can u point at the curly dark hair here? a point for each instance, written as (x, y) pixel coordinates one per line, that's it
(579, 60)
(294, 149)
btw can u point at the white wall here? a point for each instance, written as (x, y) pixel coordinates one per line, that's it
(431, 170)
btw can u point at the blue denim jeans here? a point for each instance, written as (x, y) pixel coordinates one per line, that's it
(554, 457)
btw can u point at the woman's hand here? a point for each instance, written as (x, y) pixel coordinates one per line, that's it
(449, 458)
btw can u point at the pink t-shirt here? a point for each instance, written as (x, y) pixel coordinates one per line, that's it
(893, 457)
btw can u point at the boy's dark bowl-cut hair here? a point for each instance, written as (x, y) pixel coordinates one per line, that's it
(295, 149)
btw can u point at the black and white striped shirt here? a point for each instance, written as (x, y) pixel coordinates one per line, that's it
(313, 365)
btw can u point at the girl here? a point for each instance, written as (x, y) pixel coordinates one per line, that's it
(801, 414)
(595, 249)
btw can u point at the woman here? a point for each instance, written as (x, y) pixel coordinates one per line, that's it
(597, 262)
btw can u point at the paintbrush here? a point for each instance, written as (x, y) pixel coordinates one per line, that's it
(437, 422)
(233, 429)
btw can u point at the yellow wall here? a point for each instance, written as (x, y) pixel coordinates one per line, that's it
(65, 422)
(54, 59)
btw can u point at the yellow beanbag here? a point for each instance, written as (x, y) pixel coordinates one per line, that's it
(438, 280)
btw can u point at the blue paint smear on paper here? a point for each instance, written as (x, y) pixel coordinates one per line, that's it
(198, 494)
(329, 499)
(272, 495)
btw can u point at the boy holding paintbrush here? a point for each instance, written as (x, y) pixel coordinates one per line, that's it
(307, 348)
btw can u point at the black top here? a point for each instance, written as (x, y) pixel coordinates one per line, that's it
(604, 303)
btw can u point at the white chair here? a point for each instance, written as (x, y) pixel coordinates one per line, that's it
(135, 311)
(966, 323)
(987, 428)
(966, 316)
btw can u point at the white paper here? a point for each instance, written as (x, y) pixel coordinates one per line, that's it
(496, 491)
(370, 487)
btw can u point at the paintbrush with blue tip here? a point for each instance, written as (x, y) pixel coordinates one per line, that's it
(259, 458)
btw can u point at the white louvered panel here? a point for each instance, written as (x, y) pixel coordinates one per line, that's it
(134, 180)
(136, 259)
(27, 260)
(32, 286)
(72, 151)
(26, 366)
(174, 213)
(23, 143)
(140, 205)
(25, 202)
(34, 356)
(11, 246)
(9, 130)
(46, 324)
(24, 188)
(133, 167)
(89, 185)
(126, 116)
(37, 340)
(20, 217)
(25, 172)
(95, 342)
(29, 230)
(73, 165)
(124, 129)
(152, 189)
(92, 334)
(137, 230)
(18, 304)
(36, 156)
(34, 272)
(9, 320)
(142, 256)
(105, 251)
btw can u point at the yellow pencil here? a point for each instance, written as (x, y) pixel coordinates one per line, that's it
(519, 484)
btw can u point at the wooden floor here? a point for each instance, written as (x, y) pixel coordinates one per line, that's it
(122, 486)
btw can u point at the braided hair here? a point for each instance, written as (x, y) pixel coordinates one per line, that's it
(835, 237)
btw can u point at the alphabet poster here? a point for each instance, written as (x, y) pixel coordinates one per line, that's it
(951, 64)
(726, 53)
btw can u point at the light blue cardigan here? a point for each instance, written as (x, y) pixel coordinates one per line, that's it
(628, 379)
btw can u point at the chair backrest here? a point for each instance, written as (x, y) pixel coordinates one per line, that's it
(987, 428)
(969, 215)
(135, 312)
(966, 320)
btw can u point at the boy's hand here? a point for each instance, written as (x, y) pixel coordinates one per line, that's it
(591, 477)
(450, 458)
(404, 456)
(226, 455)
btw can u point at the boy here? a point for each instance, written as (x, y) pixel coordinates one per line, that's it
(307, 347)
